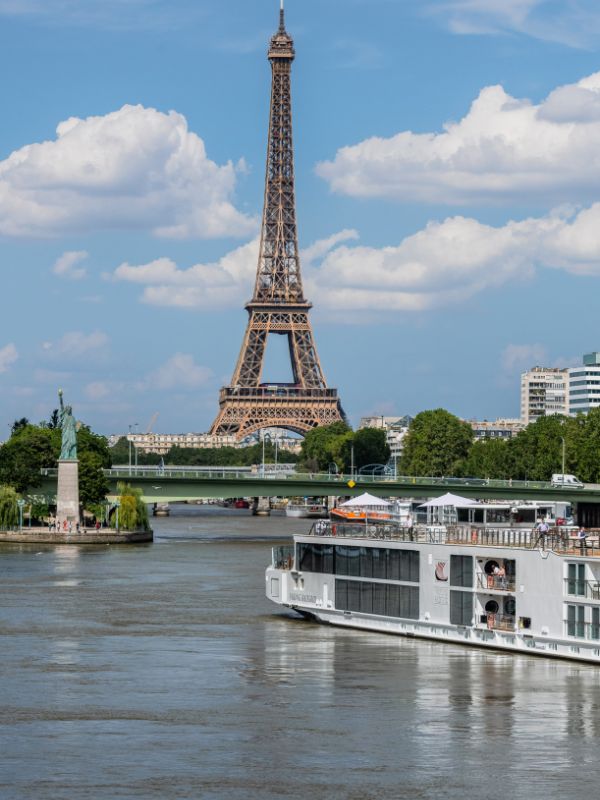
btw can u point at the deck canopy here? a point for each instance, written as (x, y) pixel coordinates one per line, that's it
(366, 500)
(449, 500)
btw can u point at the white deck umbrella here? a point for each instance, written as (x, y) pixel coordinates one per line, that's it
(449, 500)
(366, 500)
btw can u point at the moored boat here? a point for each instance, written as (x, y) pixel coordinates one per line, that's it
(306, 508)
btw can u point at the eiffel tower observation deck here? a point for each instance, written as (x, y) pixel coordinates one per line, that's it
(278, 306)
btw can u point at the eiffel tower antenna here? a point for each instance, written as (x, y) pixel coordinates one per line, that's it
(278, 306)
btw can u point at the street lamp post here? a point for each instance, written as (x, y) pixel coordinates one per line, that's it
(563, 455)
(117, 504)
(135, 449)
(21, 504)
(129, 440)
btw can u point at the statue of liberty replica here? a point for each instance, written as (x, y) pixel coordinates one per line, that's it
(67, 499)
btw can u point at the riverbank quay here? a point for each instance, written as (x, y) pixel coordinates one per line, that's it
(102, 536)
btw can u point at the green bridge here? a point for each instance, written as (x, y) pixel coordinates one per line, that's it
(178, 484)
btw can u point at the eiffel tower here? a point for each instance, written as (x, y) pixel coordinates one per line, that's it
(278, 305)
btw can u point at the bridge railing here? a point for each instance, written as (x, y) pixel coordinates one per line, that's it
(256, 473)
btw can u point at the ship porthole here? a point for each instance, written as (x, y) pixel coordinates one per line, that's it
(492, 607)
(490, 566)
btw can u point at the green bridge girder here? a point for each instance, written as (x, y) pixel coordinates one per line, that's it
(173, 485)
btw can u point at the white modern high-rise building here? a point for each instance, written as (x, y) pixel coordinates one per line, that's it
(584, 385)
(544, 391)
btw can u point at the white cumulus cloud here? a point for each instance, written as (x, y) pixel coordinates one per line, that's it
(134, 169)
(68, 265)
(8, 356)
(572, 22)
(504, 149)
(227, 282)
(445, 263)
(448, 262)
(75, 344)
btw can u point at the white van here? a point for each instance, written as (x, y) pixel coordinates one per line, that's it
(569, 481)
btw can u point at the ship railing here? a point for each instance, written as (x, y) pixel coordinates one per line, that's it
(499, 622)
(494, 537)
(496, 582)
(590, 590)
(388, 531)
(283, 557)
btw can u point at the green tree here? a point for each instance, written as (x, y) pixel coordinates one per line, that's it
(489, 458)
(93, 485)
(536, 452)
(24, 455)
(582, 446)
(370, 447)
(436, 444)
(133, 512)
(19, 425)
(9, 510)
(319, 446)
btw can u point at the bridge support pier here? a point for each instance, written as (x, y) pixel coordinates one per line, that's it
(262, 507)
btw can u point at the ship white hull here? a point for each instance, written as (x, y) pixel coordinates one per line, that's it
(494, 640)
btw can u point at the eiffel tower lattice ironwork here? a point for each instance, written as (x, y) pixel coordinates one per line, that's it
(278, 305)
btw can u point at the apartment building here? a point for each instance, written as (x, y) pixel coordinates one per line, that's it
(544, 391)
(584, 385)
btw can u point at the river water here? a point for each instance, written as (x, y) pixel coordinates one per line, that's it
(161, 671)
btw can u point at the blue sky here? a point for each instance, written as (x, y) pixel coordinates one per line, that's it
(447, 183)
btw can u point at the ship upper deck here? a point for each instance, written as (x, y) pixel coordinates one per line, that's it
(561, 540)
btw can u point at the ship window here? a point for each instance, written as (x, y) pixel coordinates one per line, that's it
(461, 607)
(379, 559)
(595, 628)
(315, 558)
(576, 621)
(367, 562)
(576, 579)
(461, 571)
(377, 598)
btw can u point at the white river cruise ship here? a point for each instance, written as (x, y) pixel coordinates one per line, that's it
(500, 588)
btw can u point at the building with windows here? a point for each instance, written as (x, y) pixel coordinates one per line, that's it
(584, 385)
(544, 391)
(498, 429)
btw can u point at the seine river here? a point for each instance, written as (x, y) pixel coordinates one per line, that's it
(161, 671)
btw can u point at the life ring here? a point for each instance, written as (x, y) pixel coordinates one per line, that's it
(333, 530)
(491, 618)
(474, 536)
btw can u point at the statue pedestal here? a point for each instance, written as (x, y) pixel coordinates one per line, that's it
(67, 498)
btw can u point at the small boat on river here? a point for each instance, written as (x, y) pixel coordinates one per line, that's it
(306, 508)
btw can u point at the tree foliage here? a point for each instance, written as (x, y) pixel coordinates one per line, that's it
(437, 444)
(133, 512)
(9, 510)
(338, 444)
(204, 457)
(29, 450)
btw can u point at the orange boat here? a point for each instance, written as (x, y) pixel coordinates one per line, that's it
(358, 515)
(365, 507)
